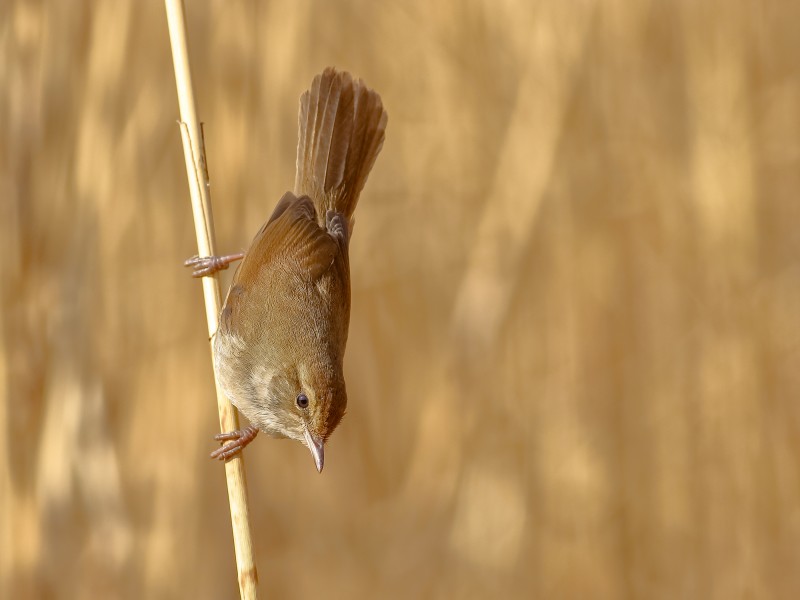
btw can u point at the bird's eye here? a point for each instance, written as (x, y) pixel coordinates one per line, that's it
(302, 400)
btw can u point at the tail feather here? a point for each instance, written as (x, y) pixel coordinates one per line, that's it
(342, 125)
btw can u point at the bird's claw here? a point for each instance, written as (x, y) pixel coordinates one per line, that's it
(203, 266)
(237, 440)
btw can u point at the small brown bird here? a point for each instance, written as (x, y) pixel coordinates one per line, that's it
(283, 329)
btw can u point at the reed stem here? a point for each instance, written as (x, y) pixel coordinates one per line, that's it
(194, 154)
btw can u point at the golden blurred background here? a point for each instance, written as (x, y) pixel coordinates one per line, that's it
(573, 358)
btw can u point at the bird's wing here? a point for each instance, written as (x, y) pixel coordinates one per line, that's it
(290, 239)
(290, 242)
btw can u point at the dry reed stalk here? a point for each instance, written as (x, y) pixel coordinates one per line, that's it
(194, 154)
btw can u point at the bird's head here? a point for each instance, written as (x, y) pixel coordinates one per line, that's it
(303, 402)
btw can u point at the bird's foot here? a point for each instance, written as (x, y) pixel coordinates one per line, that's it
(203, 266)
(236, 441)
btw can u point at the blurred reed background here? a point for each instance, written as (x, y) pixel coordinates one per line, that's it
(573, 357)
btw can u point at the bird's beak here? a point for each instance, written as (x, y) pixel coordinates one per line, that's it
(316, 446)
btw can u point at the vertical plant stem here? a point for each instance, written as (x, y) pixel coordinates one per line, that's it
(194, 154)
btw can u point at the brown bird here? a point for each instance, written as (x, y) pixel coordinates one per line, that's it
(283, 329)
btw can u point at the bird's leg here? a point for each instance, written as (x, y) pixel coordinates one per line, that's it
(203, 266)
(236, 441)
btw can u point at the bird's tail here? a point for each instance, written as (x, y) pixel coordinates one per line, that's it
(341, 130)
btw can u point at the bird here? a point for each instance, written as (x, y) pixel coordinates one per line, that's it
(280, 344)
